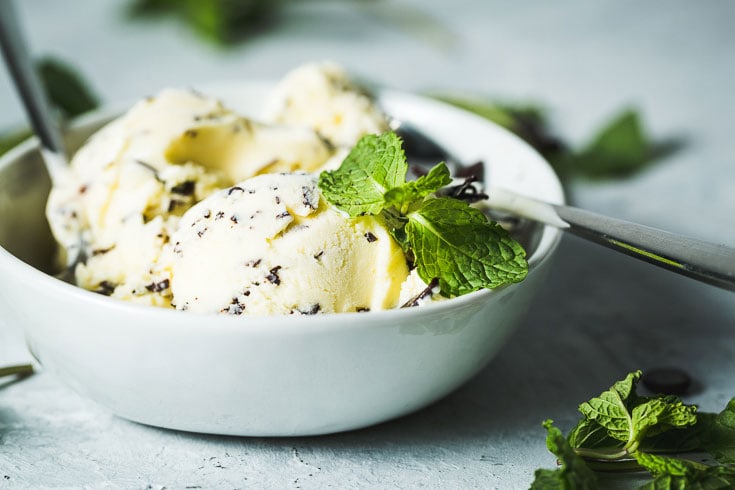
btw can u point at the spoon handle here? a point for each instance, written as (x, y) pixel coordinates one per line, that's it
(707, 262)
(29, 87)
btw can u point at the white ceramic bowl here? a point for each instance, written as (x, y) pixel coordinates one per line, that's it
(275, 376)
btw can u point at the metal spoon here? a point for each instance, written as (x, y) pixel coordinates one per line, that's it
(27, 83)
(707, 262)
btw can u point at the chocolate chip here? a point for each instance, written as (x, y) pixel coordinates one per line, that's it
(312, 310)
(157, 287)
(234, 308)
(667, 381)
(102, 251)
(370, 237)
(105, 288)
(185, 188)
(426, 293)
(273, 276)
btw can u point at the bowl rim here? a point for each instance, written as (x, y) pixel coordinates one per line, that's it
(275, 324)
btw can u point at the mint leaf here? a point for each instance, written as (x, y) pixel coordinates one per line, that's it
(630, 418)
(588, 434)
(573, 474)
(683, 440)
(65, 88)
(675, 473)
(11, 139)
(456, 243)
(222, 22)
(656, 415)
(401, 197)
(66, 91)
(610, 408)
(375, 165)
(718, 434)
(528, 121)
(619, 148)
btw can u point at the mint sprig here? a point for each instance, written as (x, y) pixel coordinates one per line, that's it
(622, 430)
(446, 238)
(629, 418)
(573, 474)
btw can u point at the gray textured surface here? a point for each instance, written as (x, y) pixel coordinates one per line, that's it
(600, 315)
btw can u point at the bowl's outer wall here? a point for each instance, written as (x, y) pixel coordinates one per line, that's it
(257, 377)
(203, 378)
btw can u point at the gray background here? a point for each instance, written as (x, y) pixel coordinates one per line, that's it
(600, 314)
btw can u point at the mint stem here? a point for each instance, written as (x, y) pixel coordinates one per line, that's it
(601, 455)
(20, 370)
(619, 466)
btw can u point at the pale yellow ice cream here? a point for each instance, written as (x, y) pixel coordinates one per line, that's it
(272, 245)
(134, 179)
(322, 96)
(133, 191)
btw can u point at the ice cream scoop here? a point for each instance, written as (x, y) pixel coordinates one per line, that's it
(272, 245)
(173, 197)
(132, 181)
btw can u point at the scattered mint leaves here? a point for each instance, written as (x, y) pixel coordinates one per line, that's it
(66, 91)
(573, 474)
(221, 22)
(446, 238)
(65, 88)
(225, 23)
(629, 418)
(12, 138)
(718, 434)
(620, 148)
(621, 428)
(675, 474)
